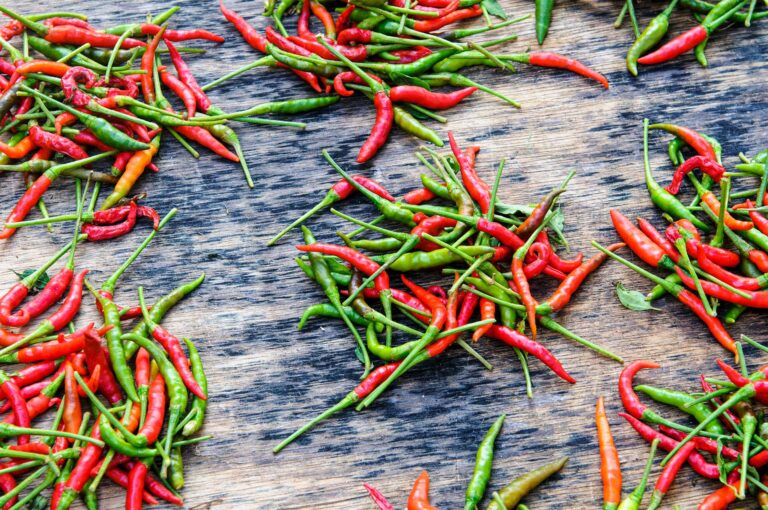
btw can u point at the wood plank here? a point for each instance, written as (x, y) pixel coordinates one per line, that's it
(266, 378)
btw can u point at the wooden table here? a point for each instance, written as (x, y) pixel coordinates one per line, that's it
(266, 378)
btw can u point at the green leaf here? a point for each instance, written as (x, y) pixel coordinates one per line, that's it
(404, 79)
(494, 8)
(39, 284)
(632, 299)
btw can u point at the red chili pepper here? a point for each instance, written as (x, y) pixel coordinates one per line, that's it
(206, 139)
(738, 281)
(659, 239)
(541, 253)
(56, 143)
(104, 232)
(7, 338)
(381, 127)
(186, 76)
(411, 55)
(431, 25)
(122, 86)
(760, 221)
(292, 47)
(59, 69)
(181, 35)
(47, 351)
(354, 257)
(441, 11)
(432, 225)
(378, 498)
(713, 203)
(115, 214)
(695, 460)
(639, 243)
(487, 311)
(69, 85)
(724, 496)
(11, 30)
(415, 197)
(124, 480)
(719, 256)
(691, 137)
(343, 21)
(50, 294)
(708, 388)
(172, 345)
(451, 322)
(96, 359)
(55, 22)
(515, 339)
(71, 304)
(677, 46)
(349, 76)
(759, 299)
(524, 289)
(418, 499)
(86, 137)
(428, 99)
(153, 423)
(7, 484)
(68, 34)
(21, 149)
(706, 165)
(73, 415)
(439, 313)
(325, 18)
(477, 188)
(575, 278)
(628, 396)
(6, 67)
(182, 92)
(19, 405)
(554, 60)
(702, 443)
(668, 475)
(148, 66)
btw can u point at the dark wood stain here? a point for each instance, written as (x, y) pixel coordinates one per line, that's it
(266, 378)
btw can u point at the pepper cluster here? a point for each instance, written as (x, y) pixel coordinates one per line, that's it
(388, 50)
(473, 229)
(508, 497)
(122, 441)
(703, 275)
(83, 93)
(714, 16)
(727, 444)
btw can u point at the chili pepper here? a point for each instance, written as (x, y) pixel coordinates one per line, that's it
(694, 245)
(180, 35)
(708, 166)
(632, 502)
(51, 293)
(477, 188)
(543, 18)
(697, 462)
(690, 39)
(177, 469)
(418, 499)
(532, 222)
(69, 85)
(684, 402)
(423, 97)
(573, 281)
(760, 221)
(639, 243)
(311, 47)
(554, 60)
(738, 281)
(136, 166)
(652, 34)
(199, 405)
(667, 476)
(186, 77)
(19, 405)
(153, 423)
(357, 259)
(72, 413)
(182, 91)
(173, 346)
(628, 396)
(377, 496)
(68, 34)
(609, 460)
(56, 143)
(724, 496)
(147, 65)
(104, 232)
(21, 149)
(522, 485)
(661, 197)
(483, 465)
(96, 359)
(432, 25)
(515, 339)
(120, 445)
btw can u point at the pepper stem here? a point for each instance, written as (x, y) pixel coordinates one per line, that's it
(344, 403)
(329, 199)
(409, 244)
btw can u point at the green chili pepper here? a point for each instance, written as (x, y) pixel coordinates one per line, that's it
(652, 34)
(386, 244)
(8, 99)
(385, 352)
(483, 465)
(328, 310)
(543, 18)
(703, 7)
(160, 309)
(120, 445)
(420, 260)
(293, 62)
(198, 405)
(520, 487)
(324, 278)
(632, 502)
(682, 401)
(719, 10)
(176, 469)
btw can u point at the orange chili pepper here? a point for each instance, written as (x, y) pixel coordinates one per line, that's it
(487, 311)
(21, 149)
(73, 415)
(39, 66)
(419, 497)
(711, 200)
(609, 459)
(133, 170)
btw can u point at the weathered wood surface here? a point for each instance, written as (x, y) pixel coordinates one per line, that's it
(266, 379)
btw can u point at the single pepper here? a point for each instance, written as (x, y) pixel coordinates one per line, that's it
(135, 168)
(609, 460)
(483, 465)
(543, 15)
(632, 502)
(684, 402)
(652, 34)
(199, 405)
(668, 475)
(418, 499)
(513, 493)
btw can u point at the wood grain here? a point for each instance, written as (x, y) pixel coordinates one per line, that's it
(266, 378)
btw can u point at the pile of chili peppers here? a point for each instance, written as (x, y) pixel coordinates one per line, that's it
(74, 89)
(727, 442)
(709, 18)
(389, 51)
(508, 497)
(504, 249)
(143, 374)
(720, 277)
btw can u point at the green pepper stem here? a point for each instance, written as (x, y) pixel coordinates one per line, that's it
(344, 403)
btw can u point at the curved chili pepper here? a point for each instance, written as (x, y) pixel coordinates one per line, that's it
(609, 459)
(693, 246)
(186, 77)
(628, 396)
(724, 496)
(418, 499)
(417, 196)
(354, 53)
(639, 243)
(411, 55)
(668, 475)
(738, 281)
(81, 472)
(135, 167)
(691, 137)
(757, 299)
(104, 232)
(381, 127)
(349, 76)
(182, 92)
(432, 225)
(554, 60)
(477, 188)
(697, 461)
(21, 149)
(69, 85)
(50, 294)
(18, 404)
(72, 413)
(760, 221)
(652, 34)
(706, 165)
(377, 496)
(513, 493)
(515, 339)
(357, 259)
